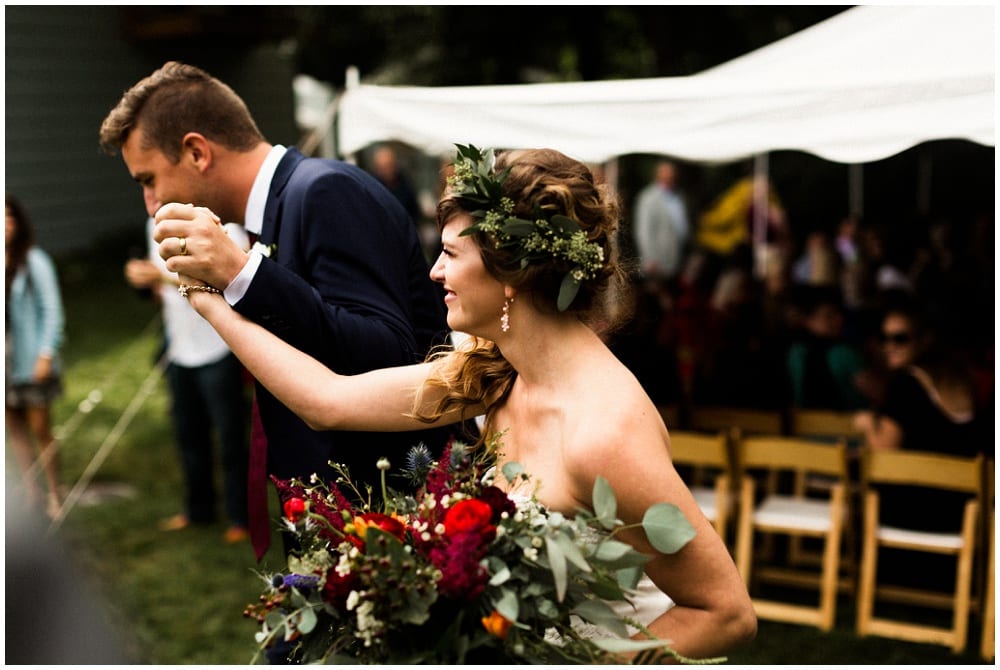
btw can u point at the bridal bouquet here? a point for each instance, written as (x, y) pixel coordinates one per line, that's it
(459, 572)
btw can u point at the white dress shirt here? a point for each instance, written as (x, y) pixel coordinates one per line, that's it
(253, 222)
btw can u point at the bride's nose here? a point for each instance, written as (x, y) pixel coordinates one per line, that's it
(437, 270)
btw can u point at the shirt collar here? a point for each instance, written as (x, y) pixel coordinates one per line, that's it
(254, 219)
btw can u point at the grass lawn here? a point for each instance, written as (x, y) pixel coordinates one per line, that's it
(178, 597)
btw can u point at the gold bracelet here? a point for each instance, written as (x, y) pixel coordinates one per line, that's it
(183, 289)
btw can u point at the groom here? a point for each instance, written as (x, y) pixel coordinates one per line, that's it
(337, 269)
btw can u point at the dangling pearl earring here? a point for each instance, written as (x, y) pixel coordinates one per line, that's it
(505, 315)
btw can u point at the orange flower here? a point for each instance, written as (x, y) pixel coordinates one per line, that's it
(389, 523)
(497, 624)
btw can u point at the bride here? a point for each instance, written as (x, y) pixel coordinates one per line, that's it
(529, 271)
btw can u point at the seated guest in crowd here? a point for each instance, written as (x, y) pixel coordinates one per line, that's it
(929, 405)
(823, 367)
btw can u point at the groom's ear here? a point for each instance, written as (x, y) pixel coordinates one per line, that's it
(196, 151)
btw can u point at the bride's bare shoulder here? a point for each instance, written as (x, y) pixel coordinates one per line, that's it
(618, 411)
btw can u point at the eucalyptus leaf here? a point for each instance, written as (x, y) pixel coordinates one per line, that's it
(507, 605)
(605, 504)
(557, 563)
(547, 609)
(500, 576)
(572, 552)
(608, 590)
(274, 619)
(567, 291)
(629, 577)
(598, 612)
(666, 527)
(612, 550)
(512, 470)
(307, 620)
(616, 558)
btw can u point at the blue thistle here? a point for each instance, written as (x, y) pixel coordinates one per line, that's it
(418, 463)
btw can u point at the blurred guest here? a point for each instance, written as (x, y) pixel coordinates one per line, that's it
(661, 225)
(386, 168)
(823, 366)
(33, 336)
(208, 395)
(818, 265)
(727, 230)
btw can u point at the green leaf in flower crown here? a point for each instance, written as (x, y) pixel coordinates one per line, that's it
(605, 504)
(518, 227)
(564, 224)
(598, 612)
(567, 291)
(666, 527)
(557, 563)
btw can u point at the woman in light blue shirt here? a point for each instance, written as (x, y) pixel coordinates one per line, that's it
(34, 334)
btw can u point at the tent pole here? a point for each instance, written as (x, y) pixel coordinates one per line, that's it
(760, 215)
(856, 190)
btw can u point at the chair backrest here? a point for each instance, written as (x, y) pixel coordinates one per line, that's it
(768, 422)
(916, 468)
(699, 449)
(774, 452)
(823, 423)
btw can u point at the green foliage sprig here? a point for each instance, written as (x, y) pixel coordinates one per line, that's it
(547, 236)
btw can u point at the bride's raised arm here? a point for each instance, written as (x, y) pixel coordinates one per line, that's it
(380, 400)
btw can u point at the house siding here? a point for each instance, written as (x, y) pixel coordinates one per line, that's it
(65, 67)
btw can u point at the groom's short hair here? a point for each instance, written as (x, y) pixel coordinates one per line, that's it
(177, 99)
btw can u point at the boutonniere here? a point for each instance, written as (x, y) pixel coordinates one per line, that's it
(266, 250)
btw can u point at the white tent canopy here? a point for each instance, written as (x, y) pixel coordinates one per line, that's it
(863, 85)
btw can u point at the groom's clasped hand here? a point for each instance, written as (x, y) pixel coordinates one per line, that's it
(194, 244)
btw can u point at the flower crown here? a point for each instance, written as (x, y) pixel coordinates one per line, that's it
(478, 186)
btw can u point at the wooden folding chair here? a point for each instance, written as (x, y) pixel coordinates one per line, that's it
(706, 461)
(823, 424)
(830, 426)
(792, 514)
(747, 420)
(933, 471)
(987, 647)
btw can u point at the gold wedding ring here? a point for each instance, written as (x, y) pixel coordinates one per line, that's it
(184, 246)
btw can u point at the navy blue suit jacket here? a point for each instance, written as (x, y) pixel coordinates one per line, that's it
(347, 282)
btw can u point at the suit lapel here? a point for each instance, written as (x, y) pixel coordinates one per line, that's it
(272, 208)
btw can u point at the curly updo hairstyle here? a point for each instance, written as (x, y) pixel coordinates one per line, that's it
(545, 178)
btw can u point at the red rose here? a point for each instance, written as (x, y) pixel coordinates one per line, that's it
(469, 516)
(295, 509)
